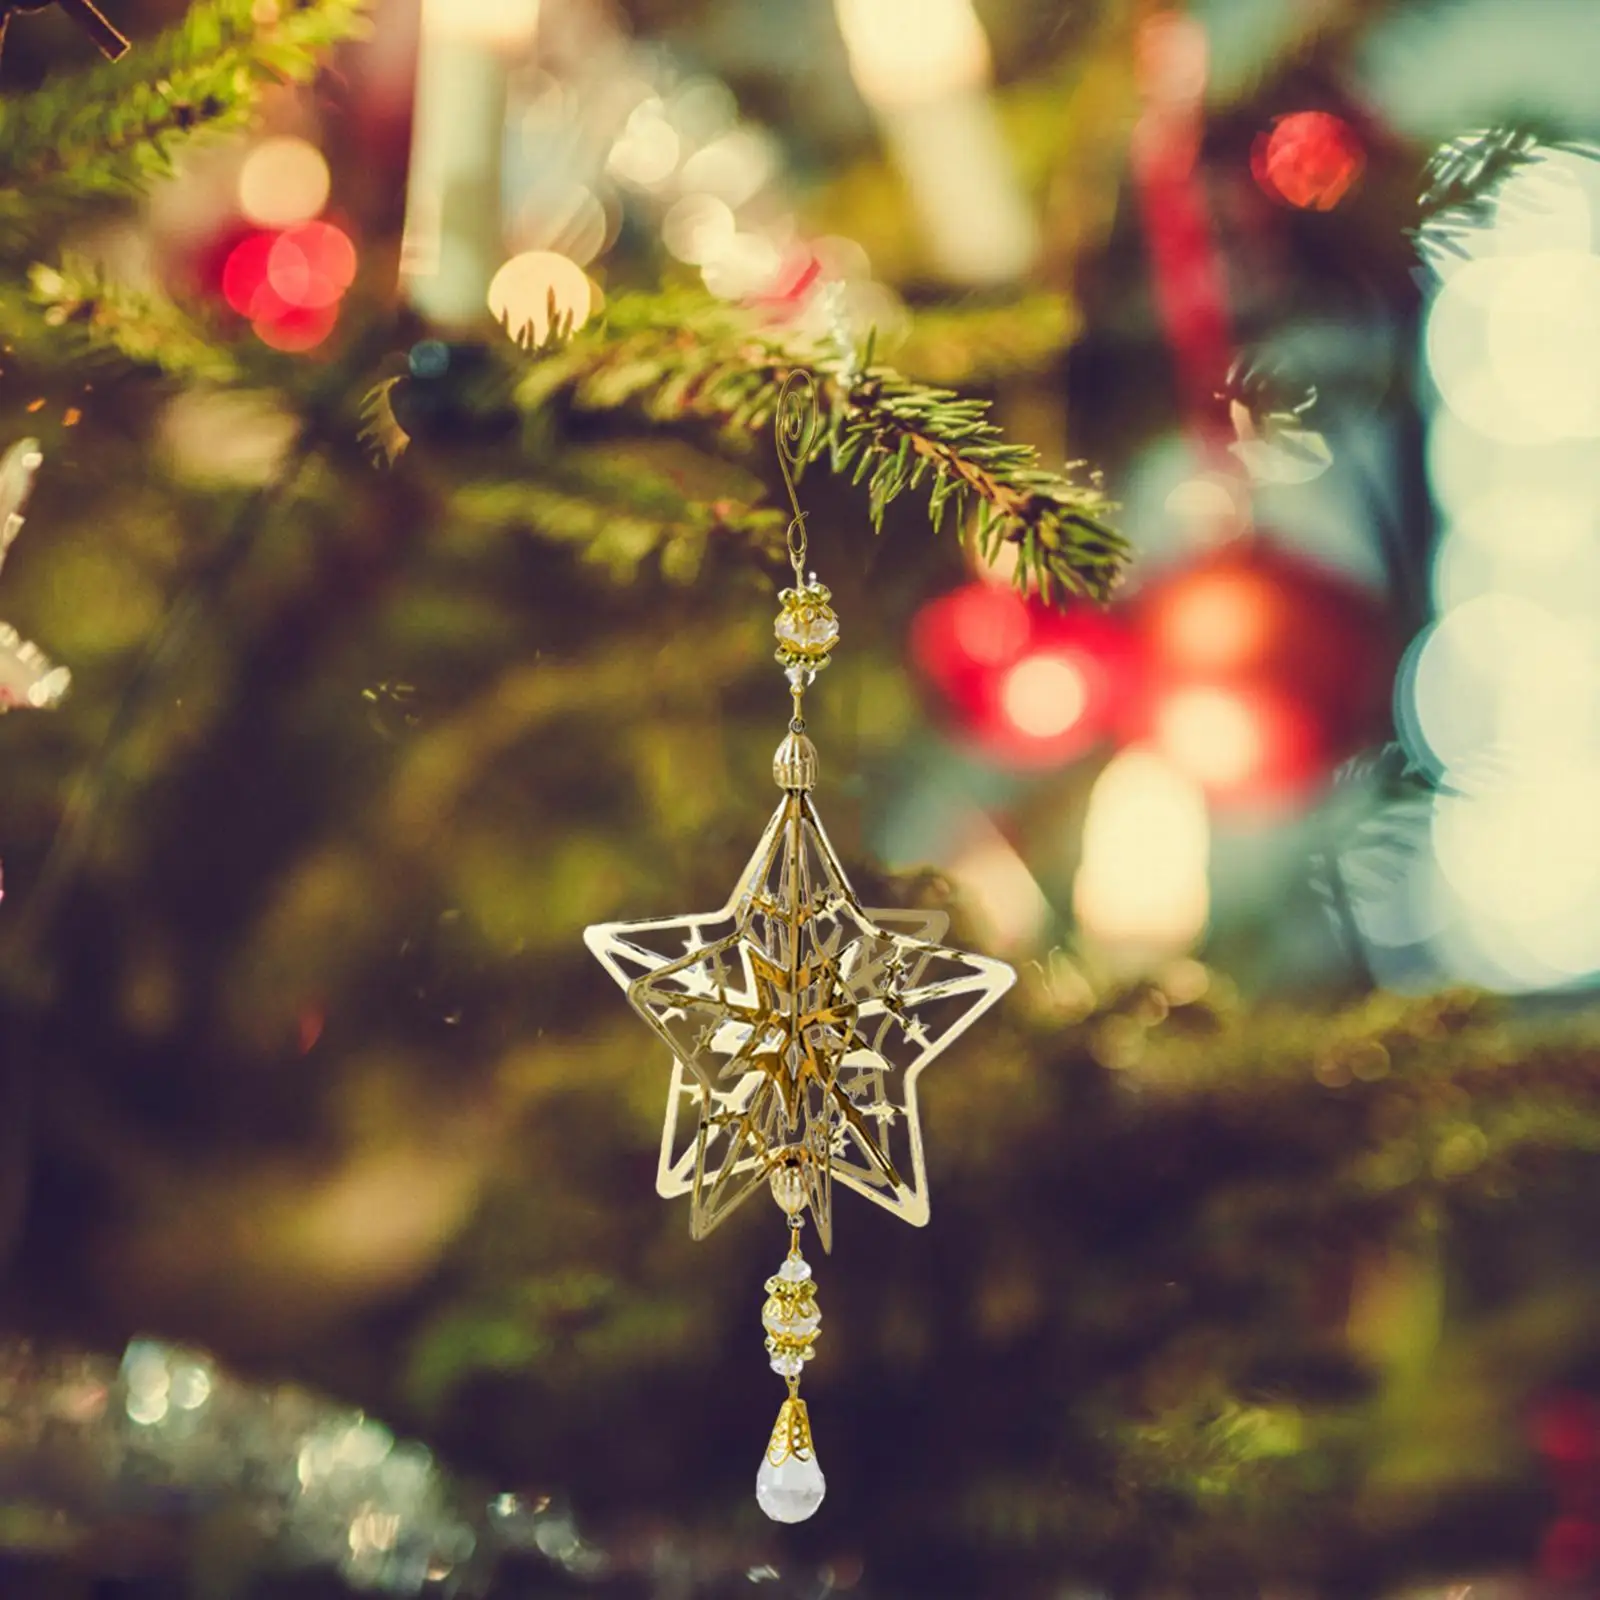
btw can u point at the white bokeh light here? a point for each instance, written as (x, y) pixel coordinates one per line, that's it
(1542, 338)
(1501, 696)
(647, 151)
(1495, 683)
(1526, 852)
(1532, 522)
(1474, 478)
(1044, 695)
(910, 52)
(1513, 344)
(524, 291)
(1523, 862)
(283, 180)
(1210, 733)
(748, 264)
(698, 228)
(733, 167)
(1143, 882)
(1564, 580)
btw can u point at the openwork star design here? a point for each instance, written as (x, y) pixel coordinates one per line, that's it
(799, 1023)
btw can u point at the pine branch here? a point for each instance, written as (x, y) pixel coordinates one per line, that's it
(681, 360)
(110, 129)
(1456, 1092)
(1464, 179)
(72, 315)
(983, 343)
(620, 520)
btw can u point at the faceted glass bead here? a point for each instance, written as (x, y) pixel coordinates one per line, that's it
(791, 1491)
(787, 1363)
(815, 629)
(795, 1269)
(795, 1326)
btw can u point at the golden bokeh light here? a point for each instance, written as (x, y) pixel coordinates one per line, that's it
(282, 181)
(529, 287)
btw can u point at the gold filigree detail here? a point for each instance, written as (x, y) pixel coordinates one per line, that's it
(791, 1434)
(798, 1023)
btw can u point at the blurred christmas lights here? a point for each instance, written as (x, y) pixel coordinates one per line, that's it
(1500, 696)
(244, 272)
(282, 181)
(498, 24)
(535, 286)
(310, 266)
(1308, 159)
(1263, 669)
(924, 68)
(909, 52)
(1028, 685)
(1142, 890)
(289, 283)
(1044, 695)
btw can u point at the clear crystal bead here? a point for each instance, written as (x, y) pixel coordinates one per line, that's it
(795, 1269)
(795, 1326)
(787, 1363)
(791, 1491)
(814, 629)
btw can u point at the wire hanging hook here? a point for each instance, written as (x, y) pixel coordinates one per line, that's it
(795, 421)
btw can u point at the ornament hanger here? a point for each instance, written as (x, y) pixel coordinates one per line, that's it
(798, 1021)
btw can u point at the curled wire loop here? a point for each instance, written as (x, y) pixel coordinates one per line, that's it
(795, 422)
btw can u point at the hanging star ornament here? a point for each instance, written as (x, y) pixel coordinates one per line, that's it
(798, 1023)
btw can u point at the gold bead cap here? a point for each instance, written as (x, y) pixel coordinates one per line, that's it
(794, 764)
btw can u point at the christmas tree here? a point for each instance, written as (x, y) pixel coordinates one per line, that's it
(404, 645)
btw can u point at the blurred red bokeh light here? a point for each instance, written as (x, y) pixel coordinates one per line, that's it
(1028, 685)
(289, 283)
(311, 265)
(1261, 670)
(1309, 159)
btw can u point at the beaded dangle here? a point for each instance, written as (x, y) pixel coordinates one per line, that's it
(798, 1021)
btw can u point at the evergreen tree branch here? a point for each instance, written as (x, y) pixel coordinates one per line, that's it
(71, 314)
(1464, 178)
(1456, 1090)
(983, 343)
(683, 360)
(110, 129)
(618, 520)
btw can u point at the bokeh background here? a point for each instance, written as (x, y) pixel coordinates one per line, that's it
(1261, 1261)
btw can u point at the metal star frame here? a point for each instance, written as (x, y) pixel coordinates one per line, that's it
(799, 1023)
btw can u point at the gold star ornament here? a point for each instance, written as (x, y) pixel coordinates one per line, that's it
(798, 1023)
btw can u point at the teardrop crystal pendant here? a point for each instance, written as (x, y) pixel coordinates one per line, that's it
(789, 1484)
